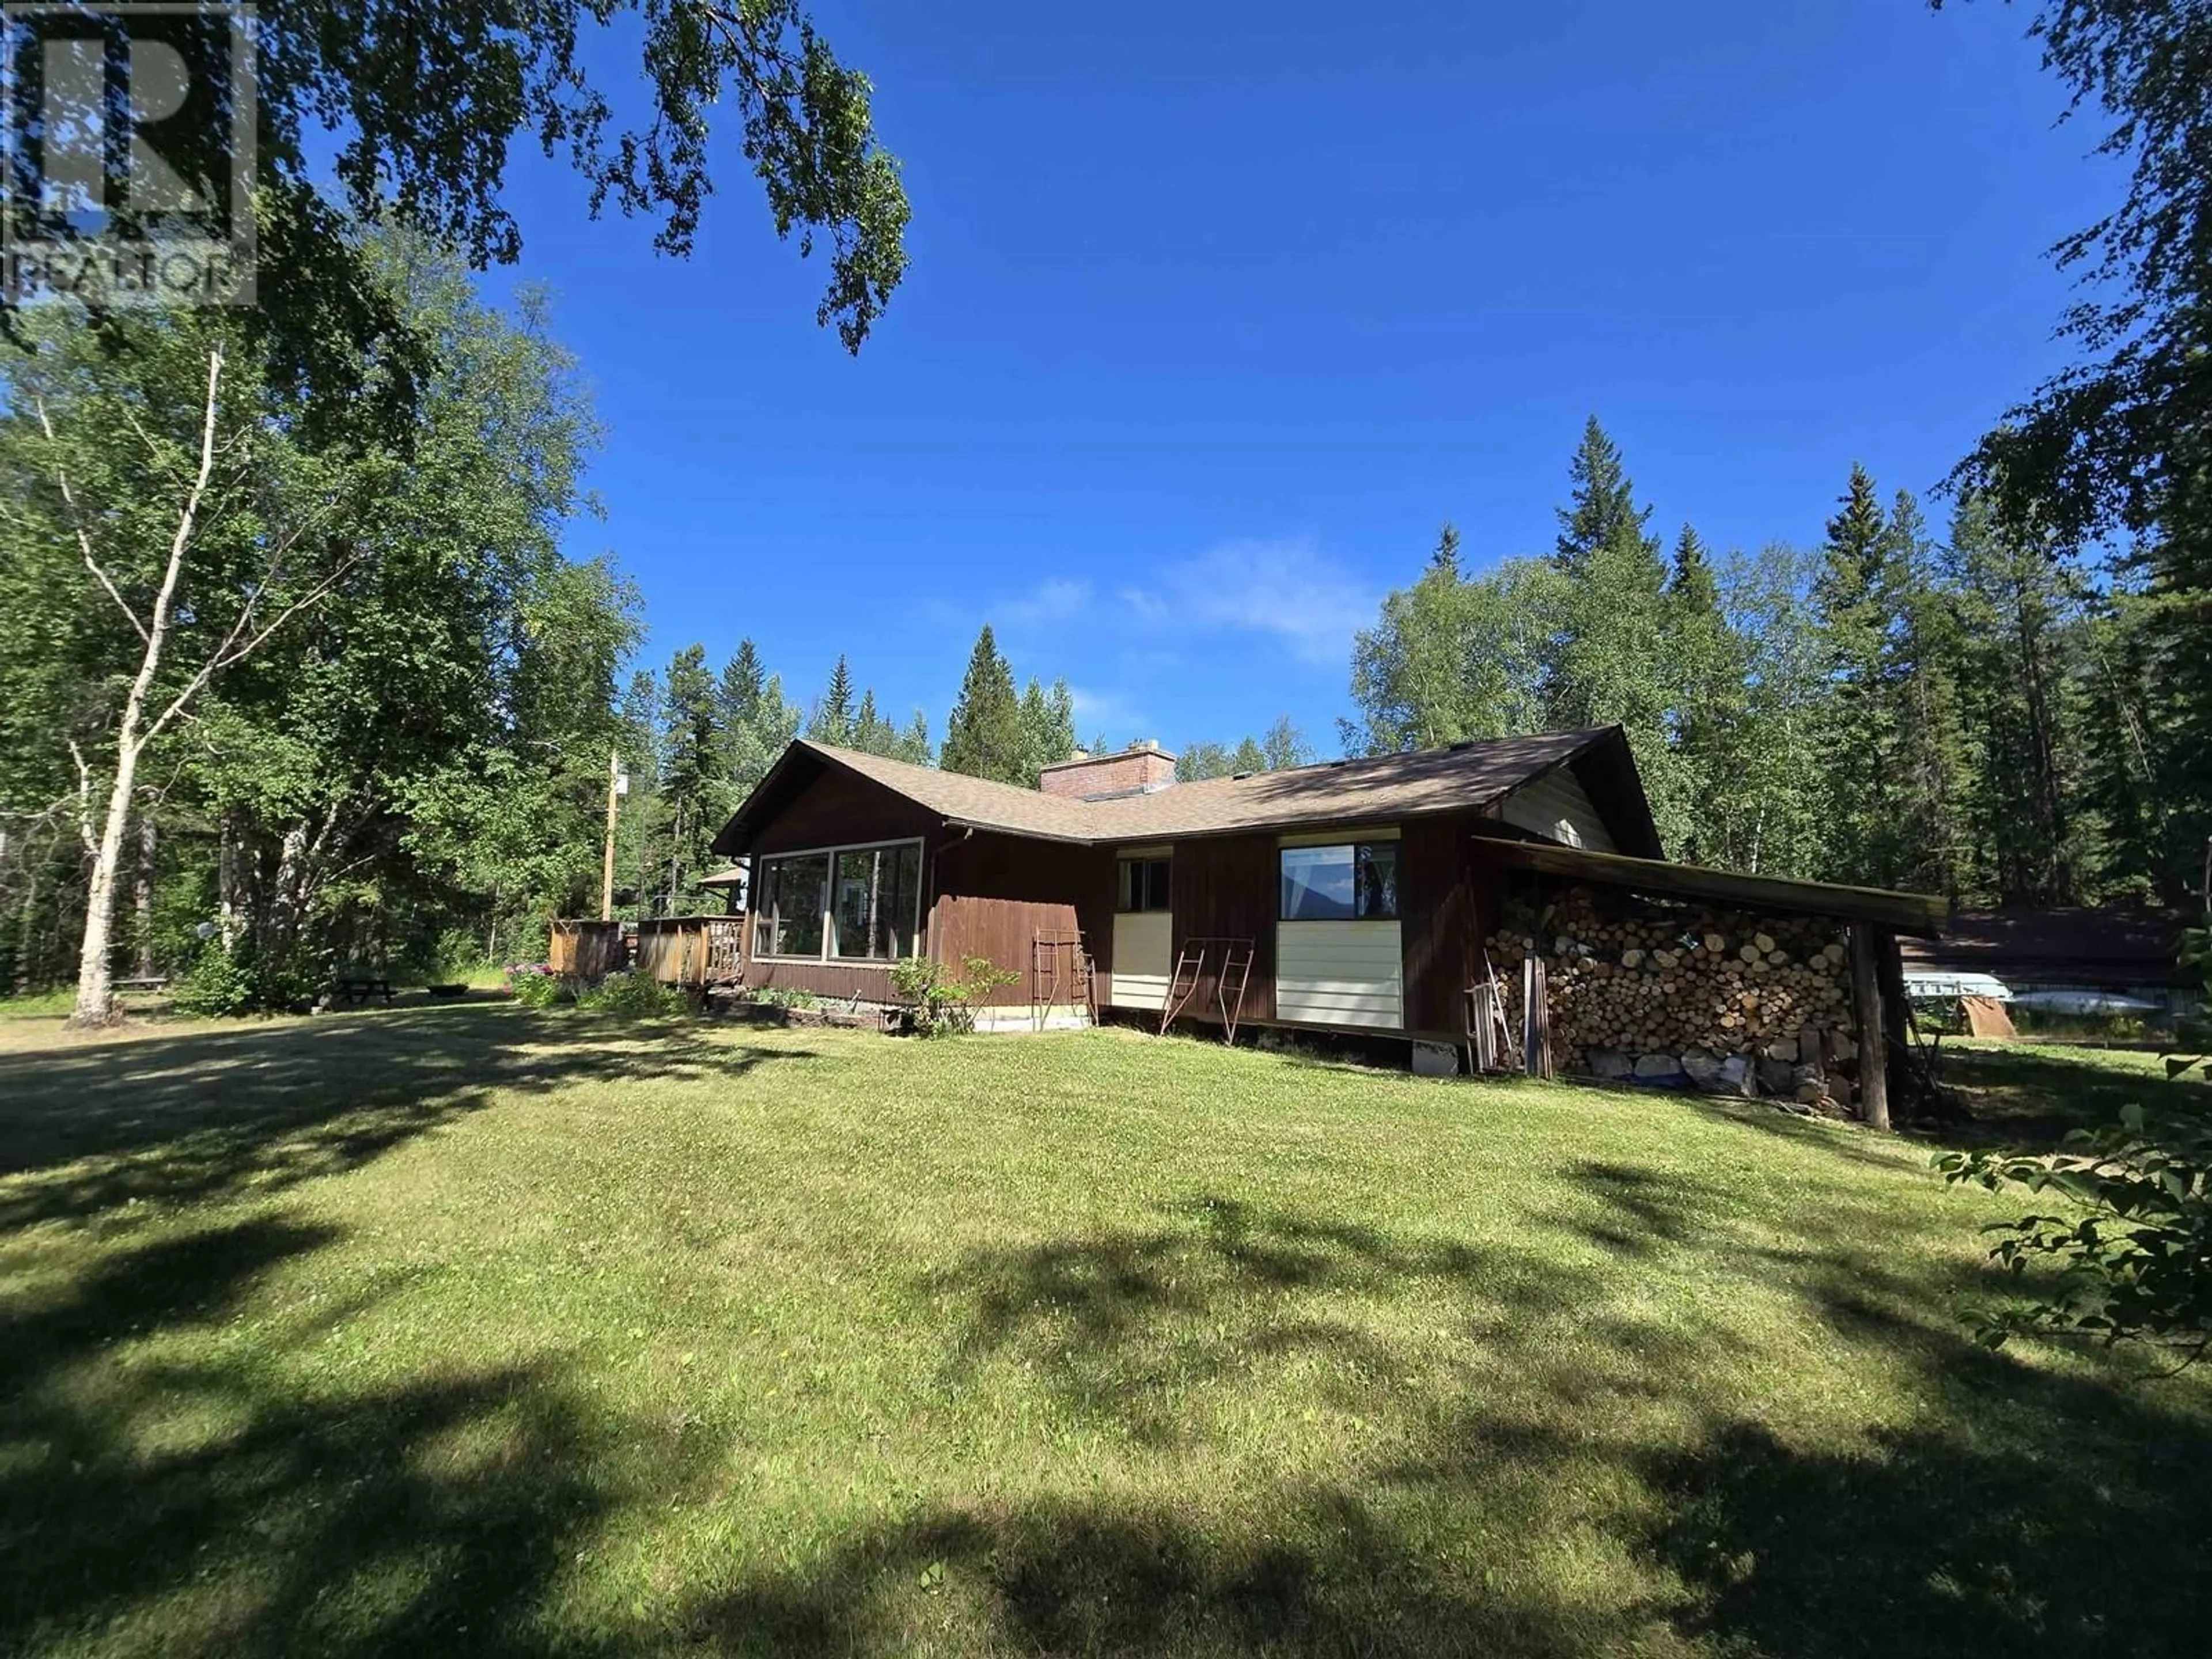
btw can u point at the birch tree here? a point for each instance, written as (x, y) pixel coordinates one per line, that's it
(179, 541)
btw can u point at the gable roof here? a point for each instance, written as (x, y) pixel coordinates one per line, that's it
(1380, 789)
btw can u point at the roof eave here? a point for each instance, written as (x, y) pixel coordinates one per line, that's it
(1920, 915)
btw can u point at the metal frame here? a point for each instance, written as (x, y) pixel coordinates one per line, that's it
(1045, 948)
(1238, 953)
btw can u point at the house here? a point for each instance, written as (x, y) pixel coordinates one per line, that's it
(1357, 896)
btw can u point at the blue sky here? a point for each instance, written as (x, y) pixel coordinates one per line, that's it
(1217, 312)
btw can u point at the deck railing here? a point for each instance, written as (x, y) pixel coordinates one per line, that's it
(697, 950)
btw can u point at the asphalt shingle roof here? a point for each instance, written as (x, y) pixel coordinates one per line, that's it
(1383, 788)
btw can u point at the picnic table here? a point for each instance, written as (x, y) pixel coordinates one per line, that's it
(356, 990)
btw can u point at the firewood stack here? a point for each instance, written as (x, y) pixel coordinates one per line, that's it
(1676, 995)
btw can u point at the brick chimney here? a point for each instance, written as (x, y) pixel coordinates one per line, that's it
(1137, 771)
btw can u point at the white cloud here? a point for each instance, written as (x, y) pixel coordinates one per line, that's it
(1109, 712)
(1288, 589)
(1055, 600)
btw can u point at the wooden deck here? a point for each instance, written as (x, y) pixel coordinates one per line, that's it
(687, 951)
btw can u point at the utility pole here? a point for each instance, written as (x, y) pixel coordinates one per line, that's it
(617, 786)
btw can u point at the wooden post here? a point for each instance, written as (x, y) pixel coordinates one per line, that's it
(1874, 1041)
(1535, 1016)
(607, 872)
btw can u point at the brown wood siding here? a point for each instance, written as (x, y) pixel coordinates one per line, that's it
(1004, 930)
(838, 810)
(1441, 904)
(1226, 887)
(1078, 880)
(869, 980)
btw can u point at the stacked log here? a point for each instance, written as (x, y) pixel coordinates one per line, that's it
(1724, 1001)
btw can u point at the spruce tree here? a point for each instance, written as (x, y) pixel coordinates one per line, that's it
(742, 679)
(1708, 717)
(1445, 559)
(1048, 725)
(1926, 849)
(832, 721)
(692, 789)
(985, 737)
(1601, 510)
(738, 702)
(1853, 606)
(2029, 669)
(1607, 660)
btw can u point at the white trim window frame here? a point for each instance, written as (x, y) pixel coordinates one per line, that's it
(1368, 881)
(883, 872)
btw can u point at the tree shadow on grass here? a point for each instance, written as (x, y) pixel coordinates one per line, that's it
(87, 1128)
(1328, 1574)
(2029, 1508)
(2045, 1519)
(2032, 1101)
(156, 1495)
(1123, 1324)
(2025, 1510)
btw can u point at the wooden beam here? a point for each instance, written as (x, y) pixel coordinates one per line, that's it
(1872, 1039)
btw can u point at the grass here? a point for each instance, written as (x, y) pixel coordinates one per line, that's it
(38, 1005)
(465, 1329)
(2034, 1093)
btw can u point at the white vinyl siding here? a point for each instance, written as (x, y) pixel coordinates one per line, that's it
(1141, 968)
(1338, 973)
(1556, 799)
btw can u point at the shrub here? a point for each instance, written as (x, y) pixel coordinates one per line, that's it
(632, 995)
(2139, 1263)
(535, 987)
(778, 996)
(943, 1006)
(223, 983)
(217, 984)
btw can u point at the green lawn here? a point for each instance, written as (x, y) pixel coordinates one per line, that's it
(467, 1330)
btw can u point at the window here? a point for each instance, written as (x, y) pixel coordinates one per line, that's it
(787, 920)
(874, 906)
(1143, 885)
(1357, 883)
(856, 904)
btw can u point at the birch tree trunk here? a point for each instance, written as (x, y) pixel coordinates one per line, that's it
(142, 894)
(227, 882)
(95, 976)
(27, 934)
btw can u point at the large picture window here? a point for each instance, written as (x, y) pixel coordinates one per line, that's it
(1143, 885)
(1358, 882)
(876, 897)
(854, 904)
